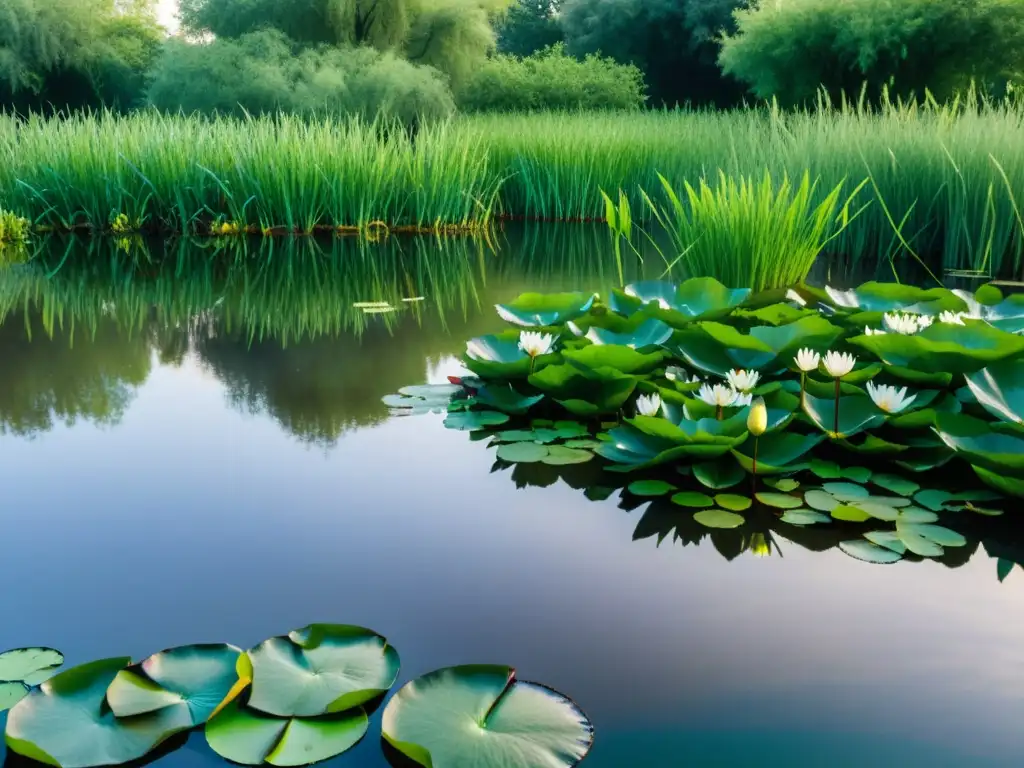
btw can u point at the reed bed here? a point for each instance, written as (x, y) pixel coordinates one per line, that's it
(943, 182)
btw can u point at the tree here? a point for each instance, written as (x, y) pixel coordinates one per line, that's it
(673, 42)
(530, 26)
(75, 53)
(450, 35)
(790, 49)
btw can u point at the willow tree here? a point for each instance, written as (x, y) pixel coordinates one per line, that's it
(450, 35)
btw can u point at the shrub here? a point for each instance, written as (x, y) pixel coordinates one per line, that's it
(789, 49)
(551, 79)
(264, 72)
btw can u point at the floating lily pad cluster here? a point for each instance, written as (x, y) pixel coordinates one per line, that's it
(854, 393)
(291, 700)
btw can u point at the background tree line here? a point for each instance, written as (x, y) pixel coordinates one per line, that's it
(410, 58)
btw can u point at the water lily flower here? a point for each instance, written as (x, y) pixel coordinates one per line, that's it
(899, 323)
(873, 331)
(757, 419)
(742, 381)
(759, 546)
(718, 395)
(952, 318)
(807, 360)
(648, 405)
(839, 364)
(536, 344)
(923, 321)
(795, 297)
(743, 399)
(888, 398)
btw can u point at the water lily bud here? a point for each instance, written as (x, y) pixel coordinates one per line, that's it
(757, 419)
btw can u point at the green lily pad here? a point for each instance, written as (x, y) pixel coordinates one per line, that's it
(532, 310)
(918, 544)
(945, 348)
(650, 333)
(733, 502)
(856, 414)
(624, 360)
(467, 421)
(878, 511)
(846, 491)
(993, 446)
(826, 470)
(498, 356)
(584, 391)
(523, 453)
(560, 455)
(888, 297)
(850, 514)
(320, 669)
(1006, 315)
(868, 552)
(584, 444)
(887, 539)
(719, 518)
(1011, 486)
(804, 517)
(650, 488)
(1000, 390)
(66, 721)
(506, 399)
(485, 717)
(249, 737)
(783, 485)
(11, 694)
(692, 499)
(198, 677)
(29, 665)
(779, 500)
(932, 499)
(896, 484)
(723, 473)
(916, 515)
(856, 474)
(939, 534)
(821, 500)
(778, 452)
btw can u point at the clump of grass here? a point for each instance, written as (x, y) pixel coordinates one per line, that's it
(14, 229)
(743, 232)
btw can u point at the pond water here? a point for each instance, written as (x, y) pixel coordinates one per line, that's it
(194, 450)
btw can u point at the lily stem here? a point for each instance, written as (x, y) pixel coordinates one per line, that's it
(533, 362)
(753, 476)
(718, 414)
(803, 387)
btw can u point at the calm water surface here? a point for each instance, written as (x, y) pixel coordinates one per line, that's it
(199, 454)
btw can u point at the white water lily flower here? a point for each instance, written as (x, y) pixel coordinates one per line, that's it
(807, 360)
(873, 332)
(742, 381)
(535, 344)
(952, 318)
(900, 323)
(648, 405)
(888, 398)
(743, 399)
(838, 364)
(923, 321)
(719, 395)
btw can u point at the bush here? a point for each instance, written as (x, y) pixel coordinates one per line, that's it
(263, 72)
(789, 49)
(551, 79)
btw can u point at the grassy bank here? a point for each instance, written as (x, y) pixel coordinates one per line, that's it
(945, 183)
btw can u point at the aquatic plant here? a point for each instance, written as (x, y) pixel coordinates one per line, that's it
(786, 395)
(14, 229)
(292, 700)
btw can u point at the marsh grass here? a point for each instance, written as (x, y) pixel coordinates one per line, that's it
(946, 181)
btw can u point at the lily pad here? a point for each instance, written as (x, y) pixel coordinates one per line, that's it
(650, 488)
(856, 474)
(249, 737)
(850, 514)
(11, 694)
(692, 499)
(522, 453)
(821, 500)
(918, 544)
(778, 452)
(467, 421)
(804, 517)
(733, 502)
(197, 677)
(826, 470)
(916, 515)
(485, 717)
(856, 414)
(543, 309)
(783, 485)
(719, 518)
(560, 455)
(506, 399)
(943, 347)
(878, 511)
(650, 333)
(723, 473)
(320, 669)
(846, 491)
(932, 499)
(939, 534)
(29, 665)
(868, 552)
(779, 500)
(887, 539)
(896, 484)
(66, 721)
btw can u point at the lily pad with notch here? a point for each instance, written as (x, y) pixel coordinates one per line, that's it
(531, 310)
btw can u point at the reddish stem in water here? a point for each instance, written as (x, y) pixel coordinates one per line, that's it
(504, 691)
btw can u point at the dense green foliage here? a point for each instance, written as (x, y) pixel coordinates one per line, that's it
(530, 26)
(75, 53)
(264, 72)
(551, 79)
(789, 49)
